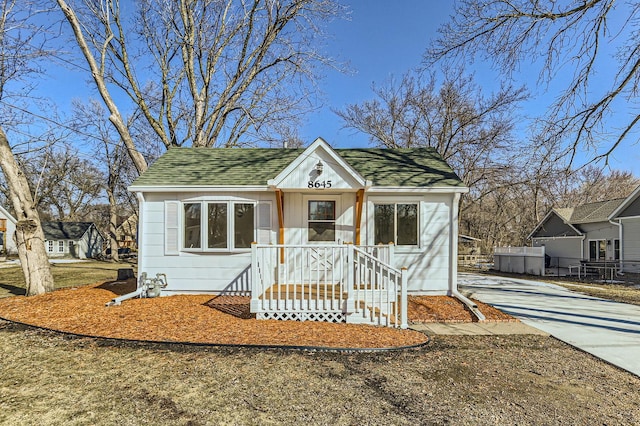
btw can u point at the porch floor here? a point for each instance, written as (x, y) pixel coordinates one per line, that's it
(314, 291)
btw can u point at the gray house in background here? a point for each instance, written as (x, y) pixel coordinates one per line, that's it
(7, 231)
(606, 231)
(80, 240)
(574, 234)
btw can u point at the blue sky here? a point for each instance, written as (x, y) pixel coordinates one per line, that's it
(384, 39)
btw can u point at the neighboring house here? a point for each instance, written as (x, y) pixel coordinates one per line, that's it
(127, 231)
(317, 215)
(606, 231)
(468, 245)
(7, 232)
(627, 215)
(81, 240)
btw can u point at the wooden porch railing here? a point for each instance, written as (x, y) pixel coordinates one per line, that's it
(328, 283)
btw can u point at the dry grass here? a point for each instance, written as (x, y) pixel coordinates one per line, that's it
(623, 293)
(64, 275)
(47, 378)
(50, 379)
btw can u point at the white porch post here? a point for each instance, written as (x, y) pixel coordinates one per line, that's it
(255, 277)
(392, 254)
(350, 279)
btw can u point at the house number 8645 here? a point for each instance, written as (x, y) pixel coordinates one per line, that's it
(319, 184)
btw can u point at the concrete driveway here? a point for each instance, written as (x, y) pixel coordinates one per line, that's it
(609, 330)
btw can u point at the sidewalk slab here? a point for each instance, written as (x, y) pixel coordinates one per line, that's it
(476, 328)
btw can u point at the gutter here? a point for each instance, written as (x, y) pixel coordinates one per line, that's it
(619, 225)
(453, 260)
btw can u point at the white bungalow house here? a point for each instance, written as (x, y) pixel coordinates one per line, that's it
(601, 232)
(80, 240)
(316, 233)
(7, 231)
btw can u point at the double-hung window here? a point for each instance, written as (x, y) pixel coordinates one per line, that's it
(396, 223)
(215, 225)
(321, 221)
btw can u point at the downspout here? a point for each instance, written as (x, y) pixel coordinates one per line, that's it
(140, 197)
(619, 225)
(453, 259)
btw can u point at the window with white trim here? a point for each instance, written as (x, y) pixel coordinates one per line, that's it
(321, 220)
(395, 223)
(218, 225)
(61, 246)
(50, 246)
(616, 249)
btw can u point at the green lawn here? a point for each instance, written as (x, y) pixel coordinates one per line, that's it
(64, 275)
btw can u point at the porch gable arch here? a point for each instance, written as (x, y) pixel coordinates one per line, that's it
(318, 168)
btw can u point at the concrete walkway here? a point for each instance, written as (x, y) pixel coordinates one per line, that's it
(608, 330)
(476, 328)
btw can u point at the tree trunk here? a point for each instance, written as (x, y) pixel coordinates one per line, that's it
(113, 218)
(29, 235)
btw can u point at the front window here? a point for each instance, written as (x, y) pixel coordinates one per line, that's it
(224, 225)
(217, 226)
(60, 246)
(50, 246)
(616, 249)
(192, 225)
(396, 223)
(244, 232)
(322, 220)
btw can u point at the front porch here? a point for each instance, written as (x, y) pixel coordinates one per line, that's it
(328, 282)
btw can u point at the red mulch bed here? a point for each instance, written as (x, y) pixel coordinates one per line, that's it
(191, 319)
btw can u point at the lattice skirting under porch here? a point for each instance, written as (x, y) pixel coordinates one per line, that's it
(303, 316)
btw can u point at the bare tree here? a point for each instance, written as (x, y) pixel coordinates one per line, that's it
(64, 183)
(472, 132)
(592, 184)
(200, 72)
(573, 38)
(20, 49)
(109, 148)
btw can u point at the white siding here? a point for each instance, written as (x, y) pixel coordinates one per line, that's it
(564, 251)
(600, 231)
(196, 271)
(428, 264)
(631, 242)
(10, 245)
(305, 176)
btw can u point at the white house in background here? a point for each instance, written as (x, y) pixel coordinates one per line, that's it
(318, 218)
(627, 216)
(606, 231)
(7, 231)
(80, 240)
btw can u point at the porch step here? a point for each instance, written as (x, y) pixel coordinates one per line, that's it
(368, 314)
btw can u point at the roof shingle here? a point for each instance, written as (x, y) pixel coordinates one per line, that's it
(412, 167)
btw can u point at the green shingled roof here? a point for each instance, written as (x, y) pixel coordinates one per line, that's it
(591, 212)
(411, 167)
